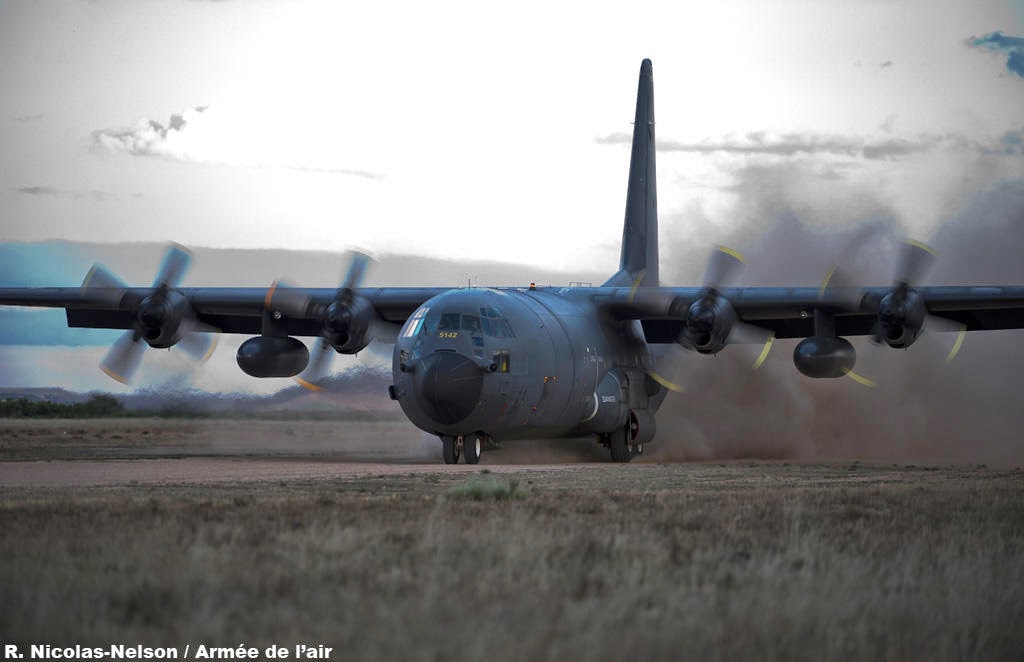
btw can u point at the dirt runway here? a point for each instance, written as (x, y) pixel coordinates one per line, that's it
(53, 453)
(202, 470)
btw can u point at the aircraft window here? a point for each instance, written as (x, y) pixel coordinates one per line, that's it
(497, 328)
(501, 329)
(489, 311)
(471, 323)
(449, 322)
(415, 322)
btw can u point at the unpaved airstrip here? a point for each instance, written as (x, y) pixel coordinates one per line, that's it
(164, 532)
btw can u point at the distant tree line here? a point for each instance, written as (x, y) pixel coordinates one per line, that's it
(107, 406)
(97, 406)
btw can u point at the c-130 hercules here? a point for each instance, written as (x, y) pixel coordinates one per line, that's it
(478, 364)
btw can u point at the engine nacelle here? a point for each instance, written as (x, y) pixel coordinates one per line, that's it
(709, 321)
(901, 315)
(346, 324)
(159, 318)
(822, 356)
(270, 356)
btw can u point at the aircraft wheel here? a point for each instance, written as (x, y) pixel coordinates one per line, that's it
(450, 450)
(638, 449)
(617, 444)
(473, 447)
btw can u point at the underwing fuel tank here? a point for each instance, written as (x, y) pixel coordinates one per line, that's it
(270, 356)
(824, 357)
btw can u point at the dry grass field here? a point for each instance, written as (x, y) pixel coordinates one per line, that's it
(765, 560)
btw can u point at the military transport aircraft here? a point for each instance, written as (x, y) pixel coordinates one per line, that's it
(478, 364)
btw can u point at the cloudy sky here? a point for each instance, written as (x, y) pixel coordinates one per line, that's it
(456, 130)
(472, 131)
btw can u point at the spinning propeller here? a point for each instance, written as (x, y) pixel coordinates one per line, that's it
(161, 319)
(901, 314)
(710, 322)
(348, 323)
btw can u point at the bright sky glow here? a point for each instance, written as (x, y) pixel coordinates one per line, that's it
(481, 131)
(461, 129)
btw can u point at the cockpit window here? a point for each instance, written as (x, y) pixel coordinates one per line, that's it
(415, 322)
(498, 328)
(425, 322)
(471, 323)
(449, 322)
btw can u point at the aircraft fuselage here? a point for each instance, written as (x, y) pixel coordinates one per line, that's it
(522, 363)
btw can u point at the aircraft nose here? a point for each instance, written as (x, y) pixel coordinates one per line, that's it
(449, 386)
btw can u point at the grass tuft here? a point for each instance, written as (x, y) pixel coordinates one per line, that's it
(489, 488)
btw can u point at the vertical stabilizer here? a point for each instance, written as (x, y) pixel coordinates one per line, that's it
(639, 262)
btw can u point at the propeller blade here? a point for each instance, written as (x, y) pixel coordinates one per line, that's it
(669, 366)
(122, 360)
(861, 379)
(173, 268)
(934, 324)
(292, 302)
(319, 364)
(384, 332)
(101, 283)
(723, 265)
(199, 345)
(838, 289)
(914, 261)
(753, 337)
(358, 262)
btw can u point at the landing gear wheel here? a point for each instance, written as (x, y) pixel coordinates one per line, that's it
(450, 450)
(473, 446)
(617, 444)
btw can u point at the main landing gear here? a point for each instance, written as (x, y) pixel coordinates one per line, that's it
(621, 442)
(469, 446)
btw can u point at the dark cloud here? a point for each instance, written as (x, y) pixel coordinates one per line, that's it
(760, 143)
(49, 191)
(1011, 47)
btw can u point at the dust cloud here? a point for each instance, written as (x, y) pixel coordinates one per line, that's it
(966, 411)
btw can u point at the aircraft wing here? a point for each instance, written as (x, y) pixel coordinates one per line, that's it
(790, 312)
(225, 309)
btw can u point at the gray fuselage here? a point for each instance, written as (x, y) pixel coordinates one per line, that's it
(522, 363)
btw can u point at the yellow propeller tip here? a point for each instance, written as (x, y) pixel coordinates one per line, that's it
(828, 279)
(860, 379)
(636, 284)
(113, 375)
(270, 294)
(764, 351)
(958, 344)
(666, 383)
(920, 244)
(733, 252)
(209, 352)
(309, 385)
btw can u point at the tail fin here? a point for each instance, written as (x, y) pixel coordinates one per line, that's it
(639, 262)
